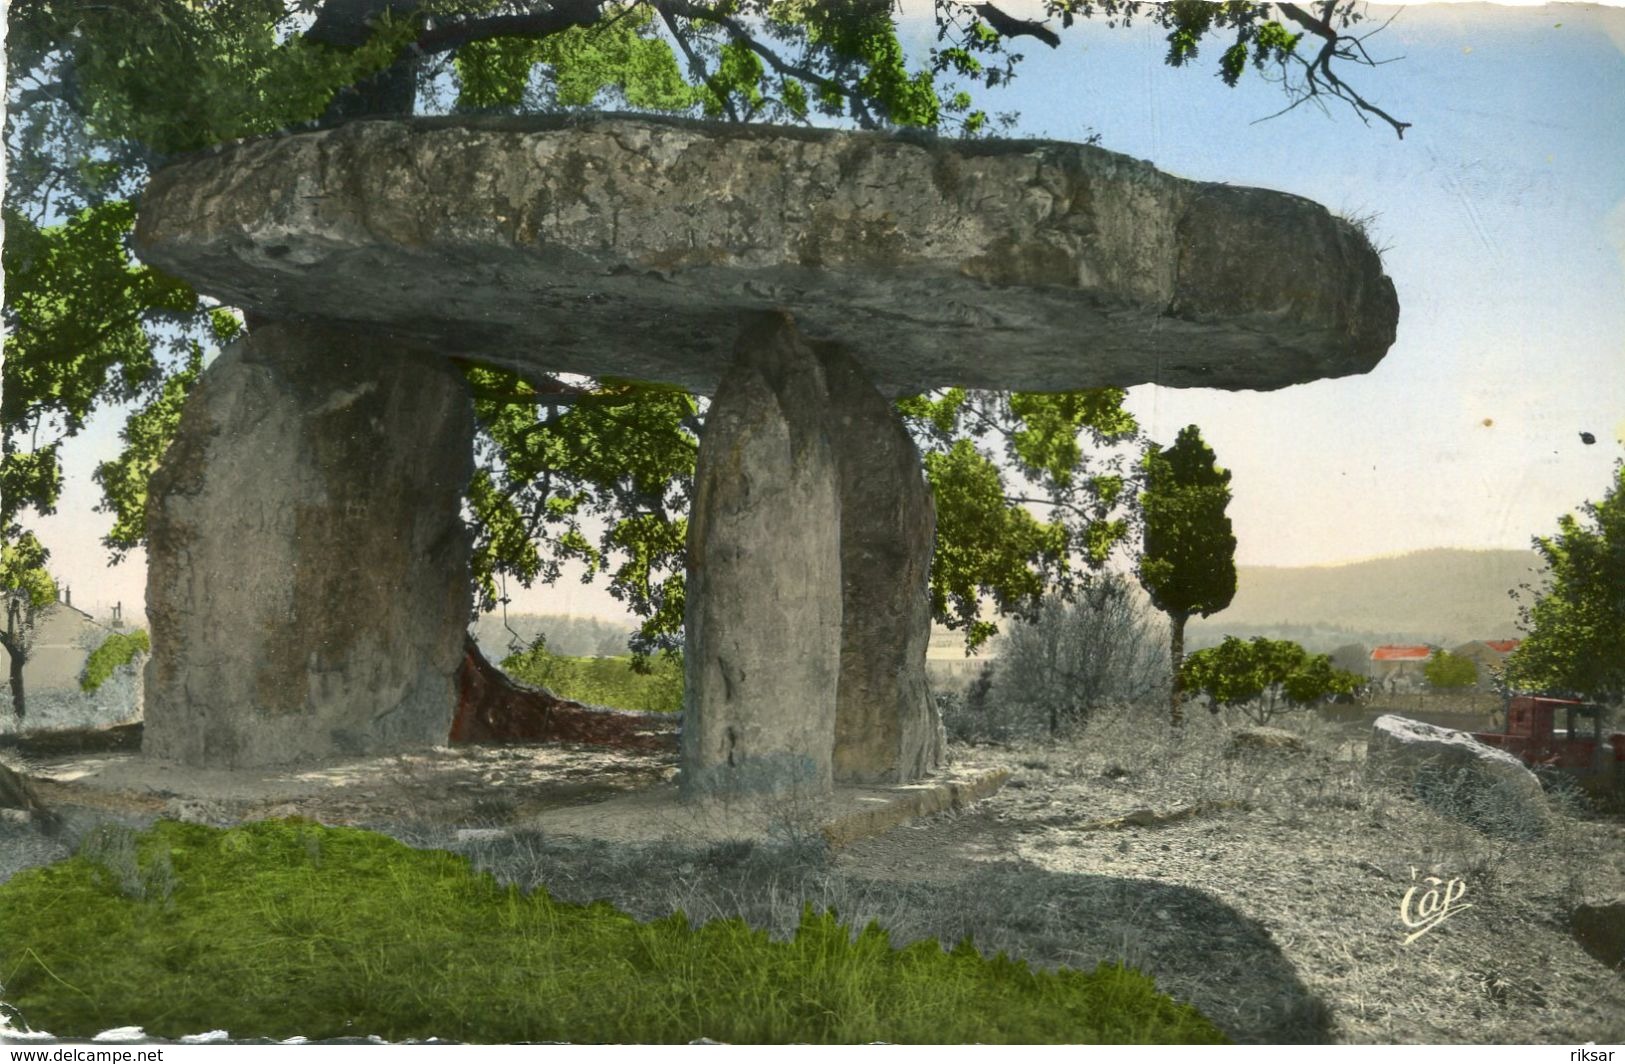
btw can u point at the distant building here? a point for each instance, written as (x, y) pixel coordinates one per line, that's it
(63, 638)
(1489, 655)
(1398, 666)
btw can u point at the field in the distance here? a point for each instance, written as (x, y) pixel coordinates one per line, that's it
(602, 681)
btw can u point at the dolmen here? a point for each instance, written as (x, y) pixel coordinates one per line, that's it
(308, 586)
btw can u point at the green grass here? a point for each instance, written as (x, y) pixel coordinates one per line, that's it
(602, 681)
(288, 927)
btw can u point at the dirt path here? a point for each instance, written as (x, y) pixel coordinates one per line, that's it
(1287, 917)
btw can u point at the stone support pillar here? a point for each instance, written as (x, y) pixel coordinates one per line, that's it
(762, 620)
(308, 586)
(887, 729)
(809, 555)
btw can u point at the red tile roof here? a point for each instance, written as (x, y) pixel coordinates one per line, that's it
(1402, 653)
(1502, 646)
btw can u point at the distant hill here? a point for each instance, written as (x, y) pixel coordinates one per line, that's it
(1441, 596)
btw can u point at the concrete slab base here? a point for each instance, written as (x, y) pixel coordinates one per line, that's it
(586, 792)
(851, 812)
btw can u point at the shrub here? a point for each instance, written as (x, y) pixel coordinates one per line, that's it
(1105, 648)
(1447, 671)
(967, 715)
(116, 650)
(1264, 676)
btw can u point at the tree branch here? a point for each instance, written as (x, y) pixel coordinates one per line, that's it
(562, 15)
(738, 32)
(1058, 504)
(696, 66)
(1319, 76)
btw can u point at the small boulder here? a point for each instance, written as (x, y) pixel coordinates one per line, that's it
(1264, 740)
(1599, 928)
(64, 742)
(1459, 776)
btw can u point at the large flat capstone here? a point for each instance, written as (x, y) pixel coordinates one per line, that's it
(629, 246)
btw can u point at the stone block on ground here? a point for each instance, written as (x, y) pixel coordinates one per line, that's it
(1599, 928)
(1262, 739)
(1459, 776)
(47, 744)
(22, 800)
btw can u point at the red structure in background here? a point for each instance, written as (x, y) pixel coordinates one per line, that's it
(492, 708)
(1551, 733)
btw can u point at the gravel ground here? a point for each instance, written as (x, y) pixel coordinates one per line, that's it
(1274, 905)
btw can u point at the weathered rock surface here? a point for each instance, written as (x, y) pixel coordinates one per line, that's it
(1459, 776)
(494, 708)
(563, 243)
(887, 728)
(1599, 928)
(762, 621)
(307, 585)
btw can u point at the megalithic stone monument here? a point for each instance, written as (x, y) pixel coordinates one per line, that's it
(307, 562)
(801, 277)
(762, 616)
(887, 729)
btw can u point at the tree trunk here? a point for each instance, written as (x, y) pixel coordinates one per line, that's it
(17, 662)
(1176, 653)
(492, 708)
(348, 25)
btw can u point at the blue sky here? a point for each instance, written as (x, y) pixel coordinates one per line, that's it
(1502, 213)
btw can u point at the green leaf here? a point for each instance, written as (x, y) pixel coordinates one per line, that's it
(147, 434)
(22, 570)
(985, 544)
(117, 650)
(1188, 565)
(1577, 626)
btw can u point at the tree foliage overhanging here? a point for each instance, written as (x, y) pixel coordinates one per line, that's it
(1576, 629)
(99, 94)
